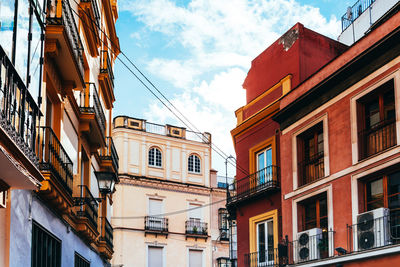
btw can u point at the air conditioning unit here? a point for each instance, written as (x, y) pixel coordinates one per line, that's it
(307, 248)
(373, 229)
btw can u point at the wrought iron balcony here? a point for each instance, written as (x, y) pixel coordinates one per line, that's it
(377, 138)
(107, 232)
(110, 153)
(307, 248)
(95, 10)
(196, 227)
(257, 183)
(265, 258)
(105, 66)
(371, 233)
(60, 14)
(18, 110)
(311, 169)
(155, 224)
(89, 102)
(88, 206)
(53, 157)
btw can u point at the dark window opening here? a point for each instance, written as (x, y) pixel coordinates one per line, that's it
(311, 154)
(376, 120)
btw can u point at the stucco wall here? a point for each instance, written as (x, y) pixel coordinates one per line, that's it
(22, 214)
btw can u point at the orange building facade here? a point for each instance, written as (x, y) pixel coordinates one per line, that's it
(57, 98)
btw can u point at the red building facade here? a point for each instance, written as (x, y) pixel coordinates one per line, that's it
(255, 198)
(340, 148)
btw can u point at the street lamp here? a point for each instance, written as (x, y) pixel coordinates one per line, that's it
(226, 172)
(106, 181)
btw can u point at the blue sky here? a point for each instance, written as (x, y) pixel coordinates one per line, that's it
(198, 54)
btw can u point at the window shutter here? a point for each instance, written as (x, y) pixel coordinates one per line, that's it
(155, 257)
(195, 258)
(196, 213)
(155, 207)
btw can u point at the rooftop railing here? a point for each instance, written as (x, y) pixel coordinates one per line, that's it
(18, 110)
(53, 157)
(143, 125)
(254, 184)
(354, 12)
(60, 13)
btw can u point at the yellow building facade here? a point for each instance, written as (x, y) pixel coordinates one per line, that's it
(65, 92)
(161, 211)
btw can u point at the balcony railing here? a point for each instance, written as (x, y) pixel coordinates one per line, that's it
(96, 12)
(155, 224)
(254, 184)
(53, 157)
(308, 248)
(375, 233)
(311, 169)
(105, 65)
(262, 258)
(89, 102)
(18, 110)
(88, 205)
(379, 137)
(110, 153)
(60, 13)
(354, 12)
(196, 227)
(107, 234)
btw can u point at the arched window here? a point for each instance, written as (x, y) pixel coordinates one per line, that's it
(194, 163)
(155, 157)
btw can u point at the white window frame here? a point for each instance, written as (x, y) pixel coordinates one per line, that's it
(194, 164)
(353, 113)
(163, 253)
(325, 129)
(203, 263)
(155, 155)
(295, 205)
(268, 262)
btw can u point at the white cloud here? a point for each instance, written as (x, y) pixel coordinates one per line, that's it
(218, 40)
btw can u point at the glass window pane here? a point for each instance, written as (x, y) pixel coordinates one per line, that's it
(375, 190)
(6, 25)
(323, 208)
(372, 112)
(34, 69)
(21, 58)
(269, 157)
(388, 101)
(261, 237)
(261, 161)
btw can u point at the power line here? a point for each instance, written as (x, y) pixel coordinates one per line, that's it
(169, 213)
(214, 147)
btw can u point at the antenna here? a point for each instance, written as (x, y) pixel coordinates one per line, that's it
(349, 13)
